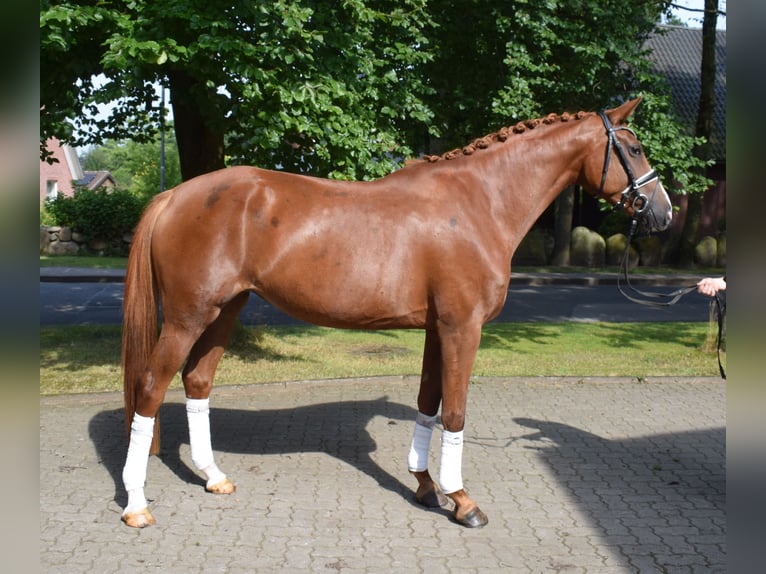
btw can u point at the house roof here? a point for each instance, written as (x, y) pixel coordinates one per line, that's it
(67, 170)
(676, 53)
(95, 179)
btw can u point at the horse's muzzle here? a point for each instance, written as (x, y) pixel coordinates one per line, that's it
(652, 207)
(661, 209)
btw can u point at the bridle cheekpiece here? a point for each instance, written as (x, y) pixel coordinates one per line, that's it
(632, 194)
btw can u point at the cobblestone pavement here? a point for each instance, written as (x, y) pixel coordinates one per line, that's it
(576, 475)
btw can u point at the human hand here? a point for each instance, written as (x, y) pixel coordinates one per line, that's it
(711, 285)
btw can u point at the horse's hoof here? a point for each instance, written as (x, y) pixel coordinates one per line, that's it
(473, 519)
(433, 499)
(224, 487)
(140, 519)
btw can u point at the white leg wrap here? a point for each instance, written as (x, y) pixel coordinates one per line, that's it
(417, 459)
(450, 472)
(198, 415)
(134, 472)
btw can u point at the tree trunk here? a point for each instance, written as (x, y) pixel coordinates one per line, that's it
(200, 143)
(703, 128)
(562, 226)
(689, 232)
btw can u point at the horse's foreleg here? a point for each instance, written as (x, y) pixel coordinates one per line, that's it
(428, 493)
(429, 397)
(167, 357)
(458, 349)
(198, 381)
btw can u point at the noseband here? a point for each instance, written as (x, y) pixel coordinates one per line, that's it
(632, 194)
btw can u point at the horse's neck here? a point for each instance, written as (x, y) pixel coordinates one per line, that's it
(529, 171)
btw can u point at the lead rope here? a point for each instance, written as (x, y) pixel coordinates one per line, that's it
(666, 299)
(720, 307)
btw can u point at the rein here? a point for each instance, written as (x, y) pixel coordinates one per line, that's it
(648, 297)
(633, 195)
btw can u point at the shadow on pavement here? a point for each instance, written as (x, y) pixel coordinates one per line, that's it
(660, 498)
(337, 429)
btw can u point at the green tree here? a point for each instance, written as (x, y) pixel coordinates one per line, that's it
(703, 129)
(303, 85)
(496, 64)
(350, 88)
(136, 166)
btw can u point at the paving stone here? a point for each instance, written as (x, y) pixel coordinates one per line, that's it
(594, 476)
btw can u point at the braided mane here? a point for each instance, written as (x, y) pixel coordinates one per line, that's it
(501, 135)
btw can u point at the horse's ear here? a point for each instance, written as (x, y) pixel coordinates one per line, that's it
(620, 114)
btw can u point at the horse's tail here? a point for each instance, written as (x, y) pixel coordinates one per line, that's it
(139, 321)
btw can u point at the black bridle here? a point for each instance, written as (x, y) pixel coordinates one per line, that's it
(633, 197)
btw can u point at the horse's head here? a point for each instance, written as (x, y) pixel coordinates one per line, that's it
(617, 170)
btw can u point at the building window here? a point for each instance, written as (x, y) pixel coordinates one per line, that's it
(51, 189)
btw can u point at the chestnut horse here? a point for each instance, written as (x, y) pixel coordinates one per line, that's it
(428, 247)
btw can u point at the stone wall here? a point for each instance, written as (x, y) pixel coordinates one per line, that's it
(55, 240)
(589, 249)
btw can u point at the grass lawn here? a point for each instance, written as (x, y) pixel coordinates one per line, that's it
(96, 262)
(86, 359)
(87, 261)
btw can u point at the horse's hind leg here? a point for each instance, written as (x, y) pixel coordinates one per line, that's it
(198, 381)
(166, 359)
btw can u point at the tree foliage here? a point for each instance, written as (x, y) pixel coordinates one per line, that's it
(136, 166)
(346, 89)
(496, 64)
(303, 85)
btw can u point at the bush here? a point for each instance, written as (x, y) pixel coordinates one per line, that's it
(100, 214)
(46, 217)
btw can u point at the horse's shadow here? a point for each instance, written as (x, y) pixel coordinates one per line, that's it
(630, 489)
(338, 429)
(691, 463)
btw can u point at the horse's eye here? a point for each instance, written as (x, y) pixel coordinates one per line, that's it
(635, 150)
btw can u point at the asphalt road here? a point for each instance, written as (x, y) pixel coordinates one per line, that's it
(91, 303)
